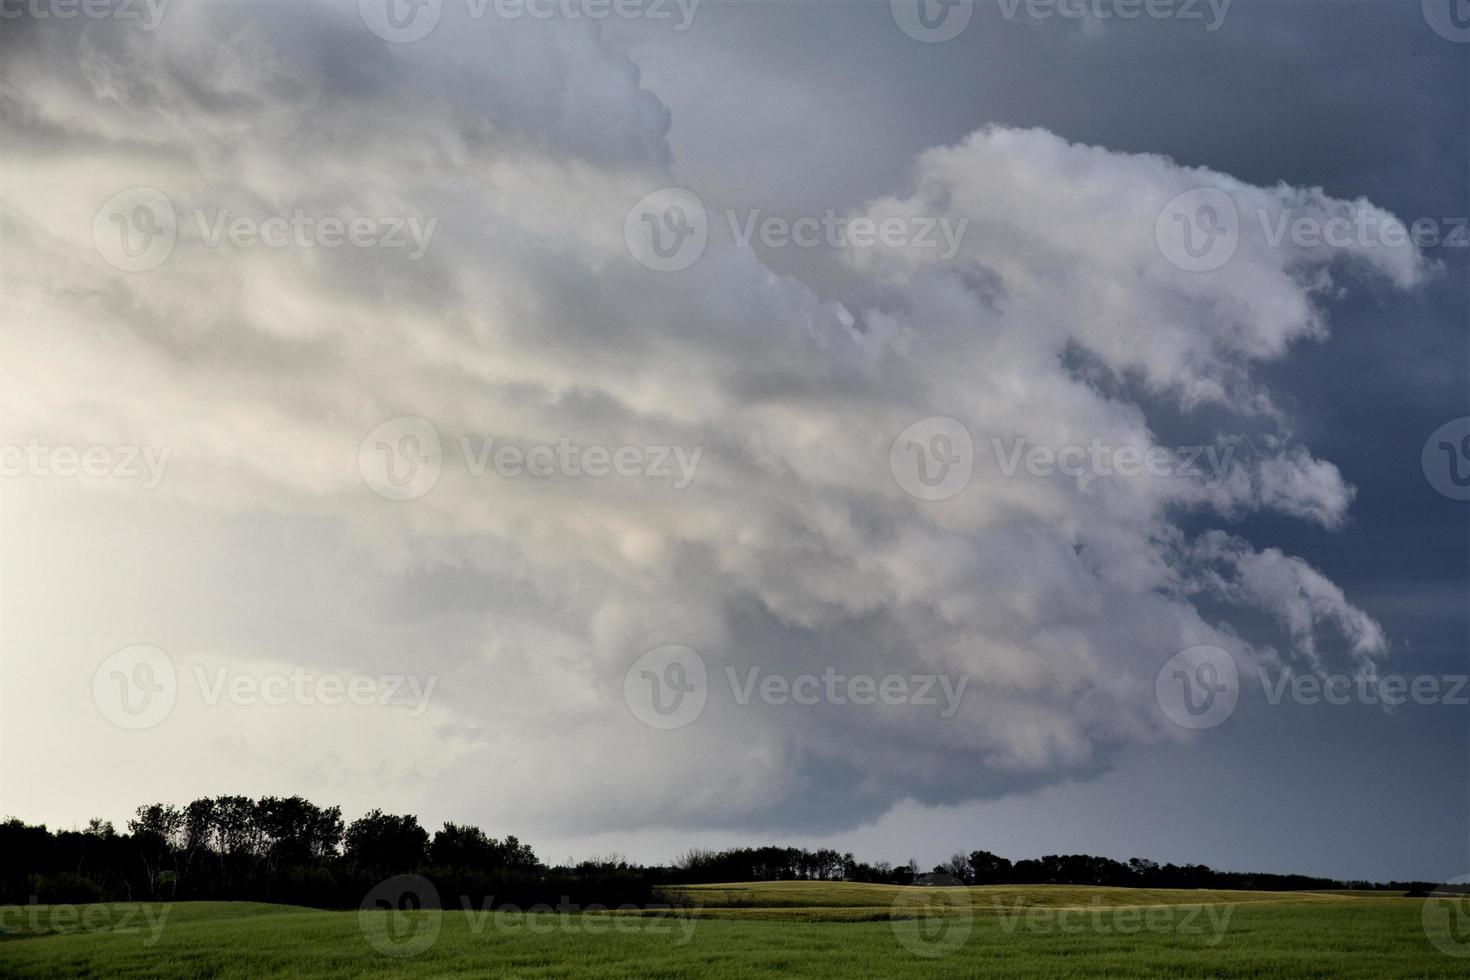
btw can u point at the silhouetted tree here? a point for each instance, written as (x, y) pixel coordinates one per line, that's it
(957, 867)
(156, 830)
(989, 869)
(384, 841)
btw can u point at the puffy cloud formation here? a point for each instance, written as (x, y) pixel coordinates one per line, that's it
(1059, 323)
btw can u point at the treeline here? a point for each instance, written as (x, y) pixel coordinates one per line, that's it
(288, 849)
(782, 864)
(985, 868)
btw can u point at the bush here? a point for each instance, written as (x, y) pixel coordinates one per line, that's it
(65, 888)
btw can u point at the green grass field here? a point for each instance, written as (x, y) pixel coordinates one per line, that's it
(808, 929)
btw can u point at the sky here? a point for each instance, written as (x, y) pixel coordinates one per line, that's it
(1007, 426)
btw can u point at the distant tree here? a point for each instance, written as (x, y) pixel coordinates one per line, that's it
(989, 869)
(295, 831)
(602, 865)
(957, 867)
(386, 842)
(460, 846)
(515, 856)
(156, 830)
(1142, 870)
(236, 835)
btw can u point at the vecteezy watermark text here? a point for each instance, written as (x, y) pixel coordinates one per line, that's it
(1201, 686)
(114, 920)
(934, 458)
(148, 12)
(304, 687)
(137, 687)
(404, 21)
(1362, 229)
(668, 229)
(668, 687)
(1207, 464)
(1201, 229)
(936, 21)
(401, 917)
(572, 459)
(143, 463)
(1121, 920)
(832, 230)
(1211, 12)
(834, 687)
(403, 458)
(1386, 689)
(137, 229)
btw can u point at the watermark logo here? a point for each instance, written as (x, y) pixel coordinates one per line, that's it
(400, 21)
(1446, 917)
(933, 920)
(1450, 19)
(136, 687)
(401, 459)
(932, 21)
(933, 459)
(1199, 230)
(667, 687)
(1446, 459)
(667, 230)
(400, 917)
(1198, 688)
(135, 230)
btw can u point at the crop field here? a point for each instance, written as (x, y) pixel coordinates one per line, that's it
(808, 929)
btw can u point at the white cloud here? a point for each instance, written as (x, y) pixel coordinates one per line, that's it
(527, 320)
